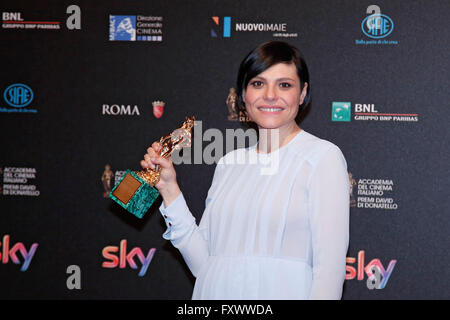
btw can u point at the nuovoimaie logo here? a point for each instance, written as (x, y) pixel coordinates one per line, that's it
(226, 27)
(221, 28)
(18, 96)
(341, 111)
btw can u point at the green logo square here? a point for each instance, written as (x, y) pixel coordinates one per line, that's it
(341, 111)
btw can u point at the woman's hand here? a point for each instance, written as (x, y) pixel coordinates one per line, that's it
(167, 185)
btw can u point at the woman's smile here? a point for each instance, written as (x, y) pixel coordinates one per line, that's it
(271, 109)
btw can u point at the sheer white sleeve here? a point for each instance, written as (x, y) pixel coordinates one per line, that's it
(191, 240)
(329, 193)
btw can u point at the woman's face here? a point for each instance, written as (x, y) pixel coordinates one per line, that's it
(273, 97)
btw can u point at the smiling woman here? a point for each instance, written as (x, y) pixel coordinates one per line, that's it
(268, 55)
(273, 88)
(273, 102)
(282, 235)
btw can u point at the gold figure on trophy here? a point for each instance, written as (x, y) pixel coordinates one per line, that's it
(179, 138)
(136, 191)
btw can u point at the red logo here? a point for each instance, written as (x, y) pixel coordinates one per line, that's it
(158, 108)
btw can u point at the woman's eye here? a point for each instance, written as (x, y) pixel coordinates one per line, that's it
(256, 84)
(285, 85)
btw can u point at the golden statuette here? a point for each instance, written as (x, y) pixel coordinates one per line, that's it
(135, 191)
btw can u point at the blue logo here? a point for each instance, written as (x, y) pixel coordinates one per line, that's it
(18, 95)
(226, 27)
(341, 111)
(122, 28)
(377, 26)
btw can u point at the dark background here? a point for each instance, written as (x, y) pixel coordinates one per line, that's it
(74, 72)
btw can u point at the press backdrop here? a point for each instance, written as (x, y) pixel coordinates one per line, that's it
(78, 83)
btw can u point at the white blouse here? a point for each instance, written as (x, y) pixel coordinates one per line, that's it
(275, 226)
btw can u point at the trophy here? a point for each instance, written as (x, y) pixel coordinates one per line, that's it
(135, 191)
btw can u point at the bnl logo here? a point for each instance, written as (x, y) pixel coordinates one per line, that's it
(377, 25)
(341, 111)
(226, 27)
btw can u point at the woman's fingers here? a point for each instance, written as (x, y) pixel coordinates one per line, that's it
(144, 164)
(147, 158)
(148, 161)
(163, 162)
(156, 146)
(152, 158)
(151, 151)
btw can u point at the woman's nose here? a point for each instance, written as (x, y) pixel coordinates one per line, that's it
(270, 93)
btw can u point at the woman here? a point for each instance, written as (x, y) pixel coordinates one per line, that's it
(282, 235)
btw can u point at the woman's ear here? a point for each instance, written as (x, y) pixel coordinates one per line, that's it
(304, 92)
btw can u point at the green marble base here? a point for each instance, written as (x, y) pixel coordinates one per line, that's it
(134, 194)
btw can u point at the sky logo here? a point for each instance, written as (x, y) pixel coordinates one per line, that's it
(374, 270)
(125, 258)
(226, 27)
(9, 252)
(341, 111)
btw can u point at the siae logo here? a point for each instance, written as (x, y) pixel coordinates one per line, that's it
(18, 95)
(125, 258)
(377, 275)
(215, 31)
(11, 252)
(377, 25)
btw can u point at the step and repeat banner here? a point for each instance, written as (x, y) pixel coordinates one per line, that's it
(87, 86)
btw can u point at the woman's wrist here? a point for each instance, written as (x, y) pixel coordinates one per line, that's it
(170, 193)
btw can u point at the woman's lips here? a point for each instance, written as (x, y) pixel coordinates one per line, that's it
(270, 109)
